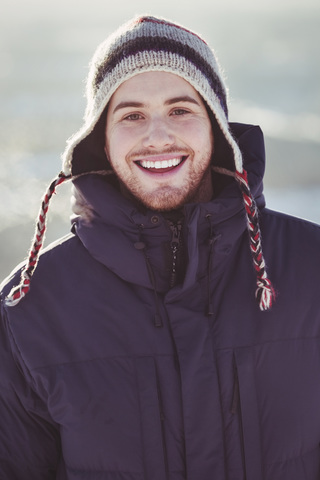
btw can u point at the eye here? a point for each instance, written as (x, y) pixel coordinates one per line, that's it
(133, 117)
(179, 111)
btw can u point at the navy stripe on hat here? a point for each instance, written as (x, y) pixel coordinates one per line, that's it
(157, 44)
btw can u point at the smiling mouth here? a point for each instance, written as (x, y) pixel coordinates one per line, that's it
(161, 166)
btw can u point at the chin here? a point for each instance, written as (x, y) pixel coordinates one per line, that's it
(163, 202)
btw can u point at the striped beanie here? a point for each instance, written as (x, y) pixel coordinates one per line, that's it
(147, 44)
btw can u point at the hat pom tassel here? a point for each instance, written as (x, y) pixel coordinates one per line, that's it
(17, 293)
(265, 294)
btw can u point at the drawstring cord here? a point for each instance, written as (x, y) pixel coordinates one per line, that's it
(21, 290)
(236, 391)
(211, 243)
(142, 246)
(212, 240)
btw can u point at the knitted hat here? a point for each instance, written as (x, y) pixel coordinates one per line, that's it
(142, 45)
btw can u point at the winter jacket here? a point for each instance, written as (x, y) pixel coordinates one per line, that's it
(109, 373)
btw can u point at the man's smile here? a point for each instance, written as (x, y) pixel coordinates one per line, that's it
(161, 166)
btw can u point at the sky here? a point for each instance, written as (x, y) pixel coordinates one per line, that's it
(269, 51)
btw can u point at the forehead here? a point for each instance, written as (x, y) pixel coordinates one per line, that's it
(154, 87)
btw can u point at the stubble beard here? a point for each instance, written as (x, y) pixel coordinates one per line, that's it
(166, 198)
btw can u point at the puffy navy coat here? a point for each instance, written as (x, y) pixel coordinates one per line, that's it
(109, 374)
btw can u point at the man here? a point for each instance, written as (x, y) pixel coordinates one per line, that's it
(150, 343)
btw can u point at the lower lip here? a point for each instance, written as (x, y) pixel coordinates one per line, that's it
(162, 171)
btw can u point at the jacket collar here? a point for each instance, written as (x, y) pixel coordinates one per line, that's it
(118, 230)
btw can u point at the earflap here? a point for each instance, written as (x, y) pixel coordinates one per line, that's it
(18, 292)
(223, 166)
(88, 155)
(265, 292)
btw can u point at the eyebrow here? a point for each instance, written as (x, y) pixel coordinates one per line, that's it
(170, 101)
(183, 98)
(128, 105)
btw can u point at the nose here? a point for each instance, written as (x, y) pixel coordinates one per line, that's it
(158, 134)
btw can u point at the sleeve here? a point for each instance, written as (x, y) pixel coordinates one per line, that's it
(29, 439)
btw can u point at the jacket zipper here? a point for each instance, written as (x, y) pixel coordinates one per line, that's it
(175, 245)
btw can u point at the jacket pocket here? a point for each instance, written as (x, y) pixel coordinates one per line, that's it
(151, 414)
(279, 396)
(250, 424)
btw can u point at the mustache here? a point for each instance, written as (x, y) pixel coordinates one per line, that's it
(147, 152)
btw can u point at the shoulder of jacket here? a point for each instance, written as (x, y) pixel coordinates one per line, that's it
(291, 237)
(51, 253)
(295, 222)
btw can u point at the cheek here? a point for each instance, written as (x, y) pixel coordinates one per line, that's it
(208, 140)
(198, 135)
(119, 142)
(203, 147)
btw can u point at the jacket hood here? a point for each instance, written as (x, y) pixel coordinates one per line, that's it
(113, 229)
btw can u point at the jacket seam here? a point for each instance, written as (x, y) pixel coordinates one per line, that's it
(89, 360)
(253, 345)
(289, 459)
(17, 354)
(79, 470)
(258, 403)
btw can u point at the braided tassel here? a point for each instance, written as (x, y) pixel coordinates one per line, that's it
(18, 292)
(265, 293)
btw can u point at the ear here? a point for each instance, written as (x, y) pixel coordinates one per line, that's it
(106, 151)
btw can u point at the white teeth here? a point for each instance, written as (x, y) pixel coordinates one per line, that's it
(173, 162)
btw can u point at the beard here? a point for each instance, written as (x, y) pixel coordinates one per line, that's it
(198, 188)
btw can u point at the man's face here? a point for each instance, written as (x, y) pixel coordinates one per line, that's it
(159, 140)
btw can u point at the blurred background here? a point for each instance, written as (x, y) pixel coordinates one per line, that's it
(269, 51)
